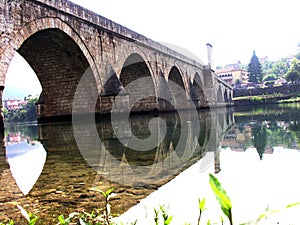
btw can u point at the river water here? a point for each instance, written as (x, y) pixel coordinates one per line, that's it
(154, 160)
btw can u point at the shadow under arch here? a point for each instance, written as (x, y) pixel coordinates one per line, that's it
(59, 63)
(198, 87)
(176, 77)
(135, 68)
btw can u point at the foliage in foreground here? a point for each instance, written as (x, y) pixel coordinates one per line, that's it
(160, 214)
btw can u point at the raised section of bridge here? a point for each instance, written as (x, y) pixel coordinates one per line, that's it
(61, 41)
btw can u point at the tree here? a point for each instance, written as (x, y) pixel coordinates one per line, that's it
(31, 113)
(254, 69)
(293, 74)
(269, 77)
(238, 82)
(276, 69)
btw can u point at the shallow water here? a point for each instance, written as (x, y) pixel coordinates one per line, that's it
(49, 169)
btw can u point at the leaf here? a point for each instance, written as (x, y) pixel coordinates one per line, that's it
(202, 204)
(221, 196)
(168, 221)
(33, 220)
(292, 205)
(109, 191)
(61, 219)
(107, 194)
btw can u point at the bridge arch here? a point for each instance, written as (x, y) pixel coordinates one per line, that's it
(42, 24)
(133, 69)
(175, 75)
(59, 58)
(199, 89)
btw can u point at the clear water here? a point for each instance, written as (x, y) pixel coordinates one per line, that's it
(254, 152)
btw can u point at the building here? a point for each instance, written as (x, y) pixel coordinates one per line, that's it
(233, 75)
(13, 104)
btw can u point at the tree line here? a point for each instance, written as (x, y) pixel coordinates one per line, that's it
(269, 71)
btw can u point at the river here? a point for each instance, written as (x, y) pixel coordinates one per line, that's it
(153, 160)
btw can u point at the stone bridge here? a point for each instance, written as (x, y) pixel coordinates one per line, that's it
(61, 41)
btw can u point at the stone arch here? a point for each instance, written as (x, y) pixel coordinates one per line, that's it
(184, 80)
(59, 58)
(42, 24)
(128, 49)
(175, 76)
(133, 69)
(199, 89)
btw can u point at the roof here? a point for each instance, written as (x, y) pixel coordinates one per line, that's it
(228, 69)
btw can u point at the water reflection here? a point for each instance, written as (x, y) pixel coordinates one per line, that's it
(56, 173)
(44, 169)
(264, 129)
(259, 158)
(26, 162)
(25, 155)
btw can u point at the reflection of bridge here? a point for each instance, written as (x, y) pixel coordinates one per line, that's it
(60, 40)
(68, 169)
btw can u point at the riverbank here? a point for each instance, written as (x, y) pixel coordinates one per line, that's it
(264, 99)
(267, 95)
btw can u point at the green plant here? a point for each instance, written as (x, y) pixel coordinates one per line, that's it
(166, 218)
(156, 213)
(28, 216)
(10, 222)
(107, 195)
(201, 208)
(221, 196)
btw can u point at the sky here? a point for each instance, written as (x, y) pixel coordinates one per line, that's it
(234, 28)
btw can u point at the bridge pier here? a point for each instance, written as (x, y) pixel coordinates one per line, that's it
(1, 114)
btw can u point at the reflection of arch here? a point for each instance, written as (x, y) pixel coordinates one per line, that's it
(59, 64)
(205, 128)
(133, 69)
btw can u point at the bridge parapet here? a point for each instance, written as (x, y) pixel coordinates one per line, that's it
(94, 19)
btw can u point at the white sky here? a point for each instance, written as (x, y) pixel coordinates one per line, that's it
(235, 28)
